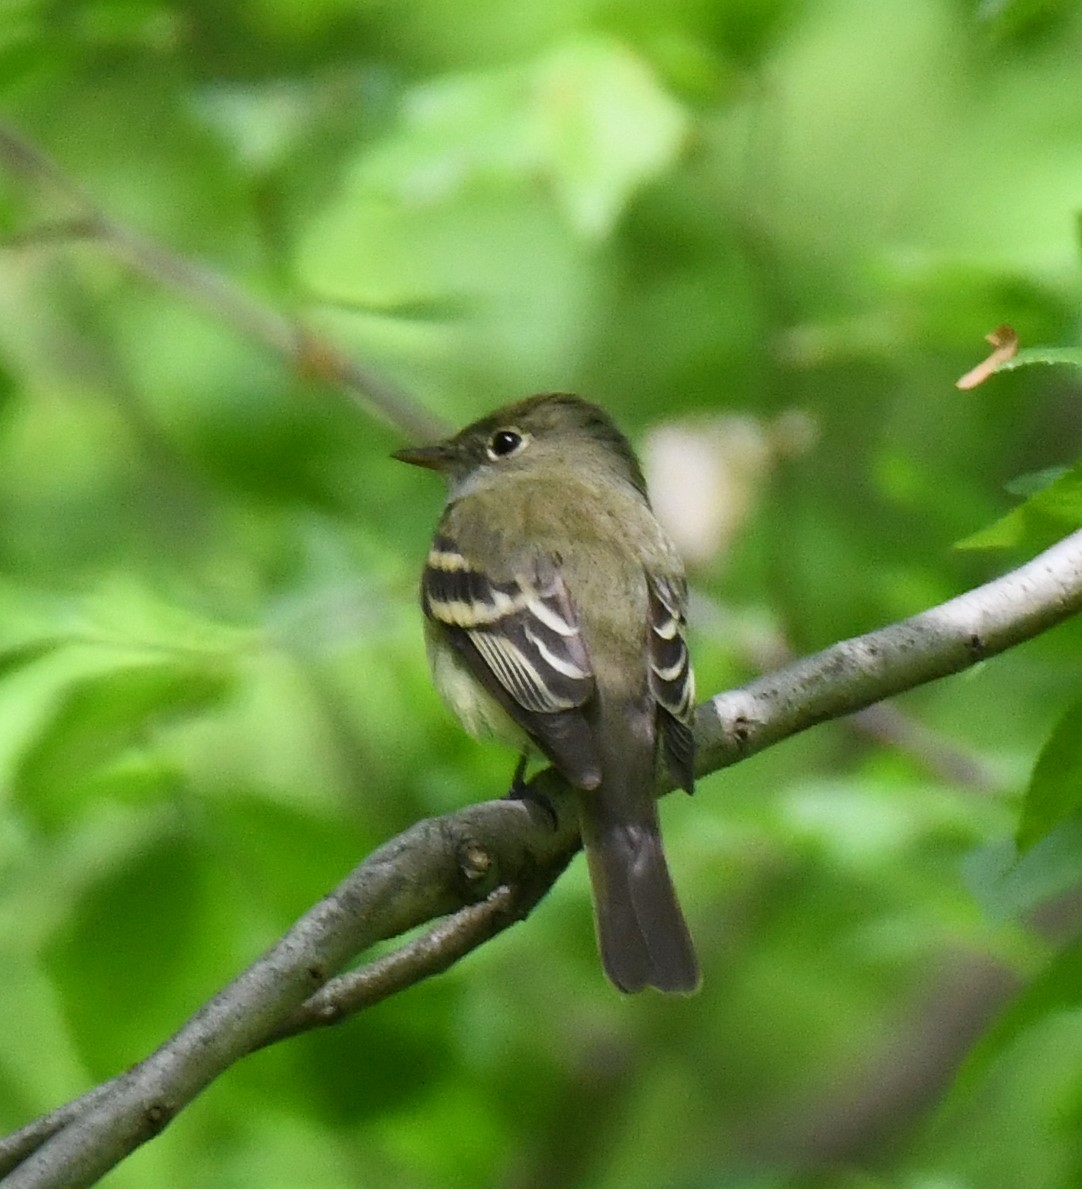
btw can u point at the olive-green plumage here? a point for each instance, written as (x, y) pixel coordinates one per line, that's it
(554, 607)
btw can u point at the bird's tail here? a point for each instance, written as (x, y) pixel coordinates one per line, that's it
(641, 932)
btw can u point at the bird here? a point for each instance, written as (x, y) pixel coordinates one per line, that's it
(555, 620)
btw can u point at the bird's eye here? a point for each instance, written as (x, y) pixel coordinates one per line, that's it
(505, 442)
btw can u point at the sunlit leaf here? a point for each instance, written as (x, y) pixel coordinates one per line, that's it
(106, 959)
(100, 723)
(1053, 511)
(605, 126)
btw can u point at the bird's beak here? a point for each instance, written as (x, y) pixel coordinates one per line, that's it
(435, 458)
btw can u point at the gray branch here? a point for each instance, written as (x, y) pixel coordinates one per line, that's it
(859, 672)
(497, 858)
(486, 866)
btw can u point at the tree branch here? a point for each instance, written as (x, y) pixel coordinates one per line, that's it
(859, 672)
(489, 864)
(433, 868)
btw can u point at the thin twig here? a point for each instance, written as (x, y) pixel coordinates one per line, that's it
(302, 350)
(435, 951)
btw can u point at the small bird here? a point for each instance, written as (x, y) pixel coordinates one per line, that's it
(554, 612)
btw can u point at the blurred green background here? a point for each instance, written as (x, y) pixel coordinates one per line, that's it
(771, 232)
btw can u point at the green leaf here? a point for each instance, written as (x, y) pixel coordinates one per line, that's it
(125, 612)
(420, 218)
(1058, 988)
(110, 957)
(102, 735)
(1028, 356)
(1051, 513)
(32, 622)
(1055, 788)
(605, 126)
(1029, 484)
(1009, 884)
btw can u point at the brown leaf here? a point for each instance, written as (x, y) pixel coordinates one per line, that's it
(1005, 341)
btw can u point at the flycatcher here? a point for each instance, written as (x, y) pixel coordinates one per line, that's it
(555, 619)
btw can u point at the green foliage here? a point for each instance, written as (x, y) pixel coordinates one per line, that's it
(1052, 511)
(1055, 788)
(786, 226)
(1028, 356)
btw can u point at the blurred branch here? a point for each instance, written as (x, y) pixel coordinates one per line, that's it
(855, 1113)
(303, 352)
(888, 725)
(851, 1117)
(489, 864)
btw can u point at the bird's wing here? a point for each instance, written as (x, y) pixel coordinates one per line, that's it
(672, 680)
(521, 639)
